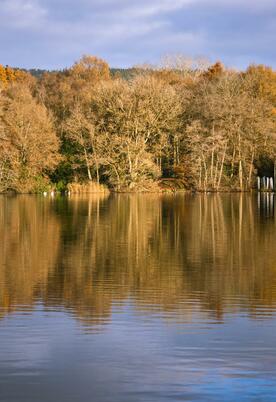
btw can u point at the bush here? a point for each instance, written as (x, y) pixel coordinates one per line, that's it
(86, 188)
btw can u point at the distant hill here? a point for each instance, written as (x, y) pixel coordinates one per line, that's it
(125, 73)
(37, 72)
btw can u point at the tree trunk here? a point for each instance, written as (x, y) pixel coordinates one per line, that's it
(212, 157)
(97, 170)
(240, 175)
(221, 167)
(233, 162)
(200, 175)
(274, 175)
(251, 168)
(87, 166)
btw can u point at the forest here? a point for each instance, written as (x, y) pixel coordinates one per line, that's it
(185, 124)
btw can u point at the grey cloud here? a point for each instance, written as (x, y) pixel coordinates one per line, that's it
(53, 33)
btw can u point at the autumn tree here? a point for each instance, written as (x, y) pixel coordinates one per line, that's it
(10, 75)
(28, 143)
(91, 69)
(262, 82)
(81, 131)
(65, 93)
(182, 118)
(134, 119)
(230, 128)
(62, 90)
(214, 71)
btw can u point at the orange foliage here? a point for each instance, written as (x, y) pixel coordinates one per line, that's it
(91, 68)
(264, 79)
(9, 75)
(214, 71)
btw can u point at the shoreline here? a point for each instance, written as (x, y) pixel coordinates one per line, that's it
(109, 191)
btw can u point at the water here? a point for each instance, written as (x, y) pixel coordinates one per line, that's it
(138, 298)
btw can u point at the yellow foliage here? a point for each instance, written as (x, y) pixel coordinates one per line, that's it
(265, 81)
(10, 75)
(91, 68)
(3, 75)
(86, 188)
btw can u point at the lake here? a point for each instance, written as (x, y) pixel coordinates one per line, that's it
(130, 298)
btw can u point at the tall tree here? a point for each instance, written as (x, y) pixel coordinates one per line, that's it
(28, 143)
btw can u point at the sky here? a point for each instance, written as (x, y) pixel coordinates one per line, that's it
(52, 34)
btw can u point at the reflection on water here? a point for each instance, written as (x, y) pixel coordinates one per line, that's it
(138, 298)
(266, 204)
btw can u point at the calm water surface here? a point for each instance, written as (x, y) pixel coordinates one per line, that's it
(138, 298)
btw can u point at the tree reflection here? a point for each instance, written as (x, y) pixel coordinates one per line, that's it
(172, 254)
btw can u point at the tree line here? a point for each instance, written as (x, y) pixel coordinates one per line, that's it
(183, 124)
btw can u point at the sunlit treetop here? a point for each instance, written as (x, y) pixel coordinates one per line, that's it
(264, 79)
(9, 75)
(91, 68)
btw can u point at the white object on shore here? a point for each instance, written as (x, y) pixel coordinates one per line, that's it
(45, 193)
(264, 183)
(259, 183)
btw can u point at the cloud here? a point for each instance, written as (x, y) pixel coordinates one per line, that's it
(155, 8)
(22, 14)
(53, 33)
